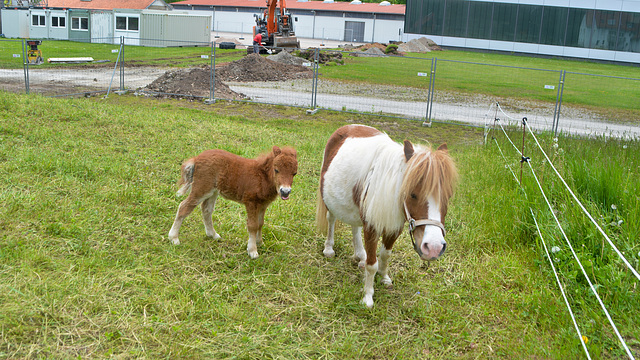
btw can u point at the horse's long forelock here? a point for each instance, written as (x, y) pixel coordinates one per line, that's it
(429, 173)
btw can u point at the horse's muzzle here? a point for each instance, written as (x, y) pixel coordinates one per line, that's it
(430, 251)
(285, 192)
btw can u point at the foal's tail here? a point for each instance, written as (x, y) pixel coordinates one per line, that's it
(321, 214)
(186, 177)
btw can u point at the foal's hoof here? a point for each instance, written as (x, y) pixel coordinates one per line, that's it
(175, 241)
(367, 301)
(329, 253)
(253, 254)
(386, 281)
(215, 236)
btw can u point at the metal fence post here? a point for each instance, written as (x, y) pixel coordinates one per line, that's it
(314, 83)
(212, 75)
(316, 67)
(25, 66)
(122, 63)
(432, 80)
(555, 109)
(564, 73)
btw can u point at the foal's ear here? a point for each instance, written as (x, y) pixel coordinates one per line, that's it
(444, 148)
(408, 150)
(276, 151)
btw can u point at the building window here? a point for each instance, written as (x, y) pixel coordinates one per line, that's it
(58, 22)
(80, 23)
(37, 20)
(127, 23)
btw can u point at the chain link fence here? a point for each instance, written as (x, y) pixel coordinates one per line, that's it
(425, 89)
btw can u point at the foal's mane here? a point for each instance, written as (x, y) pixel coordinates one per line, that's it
(429, 173)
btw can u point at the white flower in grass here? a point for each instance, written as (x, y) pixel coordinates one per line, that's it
(614, 207)
(620, 222)
(555, 249)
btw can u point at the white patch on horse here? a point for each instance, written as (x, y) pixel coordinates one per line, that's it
(377, 163)
(432, 240)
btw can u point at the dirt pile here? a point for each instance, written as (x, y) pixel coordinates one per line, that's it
(284, 57)
(372, 51)
(195, 82)
(192, 82)
(254, 67)
(421, 45)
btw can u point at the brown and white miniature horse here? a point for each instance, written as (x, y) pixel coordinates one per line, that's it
(369, 181)
(255, 183)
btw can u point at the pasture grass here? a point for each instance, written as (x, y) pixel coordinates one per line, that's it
(87, 271)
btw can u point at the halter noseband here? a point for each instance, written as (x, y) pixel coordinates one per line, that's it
(413, 224)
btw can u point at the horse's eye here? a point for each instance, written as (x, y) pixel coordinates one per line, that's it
(277, 171)
(413, 196)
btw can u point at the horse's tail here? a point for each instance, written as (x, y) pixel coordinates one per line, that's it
(186, 177)
(321, 214)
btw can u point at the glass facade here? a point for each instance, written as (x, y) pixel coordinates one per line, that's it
(536, 24)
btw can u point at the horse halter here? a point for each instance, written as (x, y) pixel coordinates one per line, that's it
(413, 224)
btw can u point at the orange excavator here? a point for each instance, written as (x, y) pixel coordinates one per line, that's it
(276, 26)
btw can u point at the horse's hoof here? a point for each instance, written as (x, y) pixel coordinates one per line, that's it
(175, 241)
(362, 264)
(386, 281)
(253, 254)
(367, 301)
(329, 253)
(215, 236)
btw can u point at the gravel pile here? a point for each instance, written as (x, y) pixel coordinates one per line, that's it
(421, 45)
(284, 57)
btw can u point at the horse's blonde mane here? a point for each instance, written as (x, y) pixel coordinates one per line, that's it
(430, 173)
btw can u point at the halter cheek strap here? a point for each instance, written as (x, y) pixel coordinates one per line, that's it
(413, 224)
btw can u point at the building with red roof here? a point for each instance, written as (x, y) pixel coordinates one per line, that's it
(330, 20)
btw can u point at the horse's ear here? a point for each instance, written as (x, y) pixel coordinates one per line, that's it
(444, 148)
(408, 150)
(276, 151)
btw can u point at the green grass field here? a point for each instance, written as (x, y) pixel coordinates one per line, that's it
(87, 189)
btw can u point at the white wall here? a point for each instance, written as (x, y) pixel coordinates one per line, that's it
(102, 27)
(15, 23)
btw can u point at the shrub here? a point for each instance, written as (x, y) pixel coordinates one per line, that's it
(391, 49)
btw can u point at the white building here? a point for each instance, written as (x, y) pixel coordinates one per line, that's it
(328, 20)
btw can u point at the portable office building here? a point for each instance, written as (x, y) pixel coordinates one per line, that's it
(102, 27)
(15, 23)
(79, 25)
(163, 28)
(127, 24)
(48, 24)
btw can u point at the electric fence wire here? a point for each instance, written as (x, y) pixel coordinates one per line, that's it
(553, 268)
(584, 272)
(584, 209)
(624, 345)
(566, 301)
